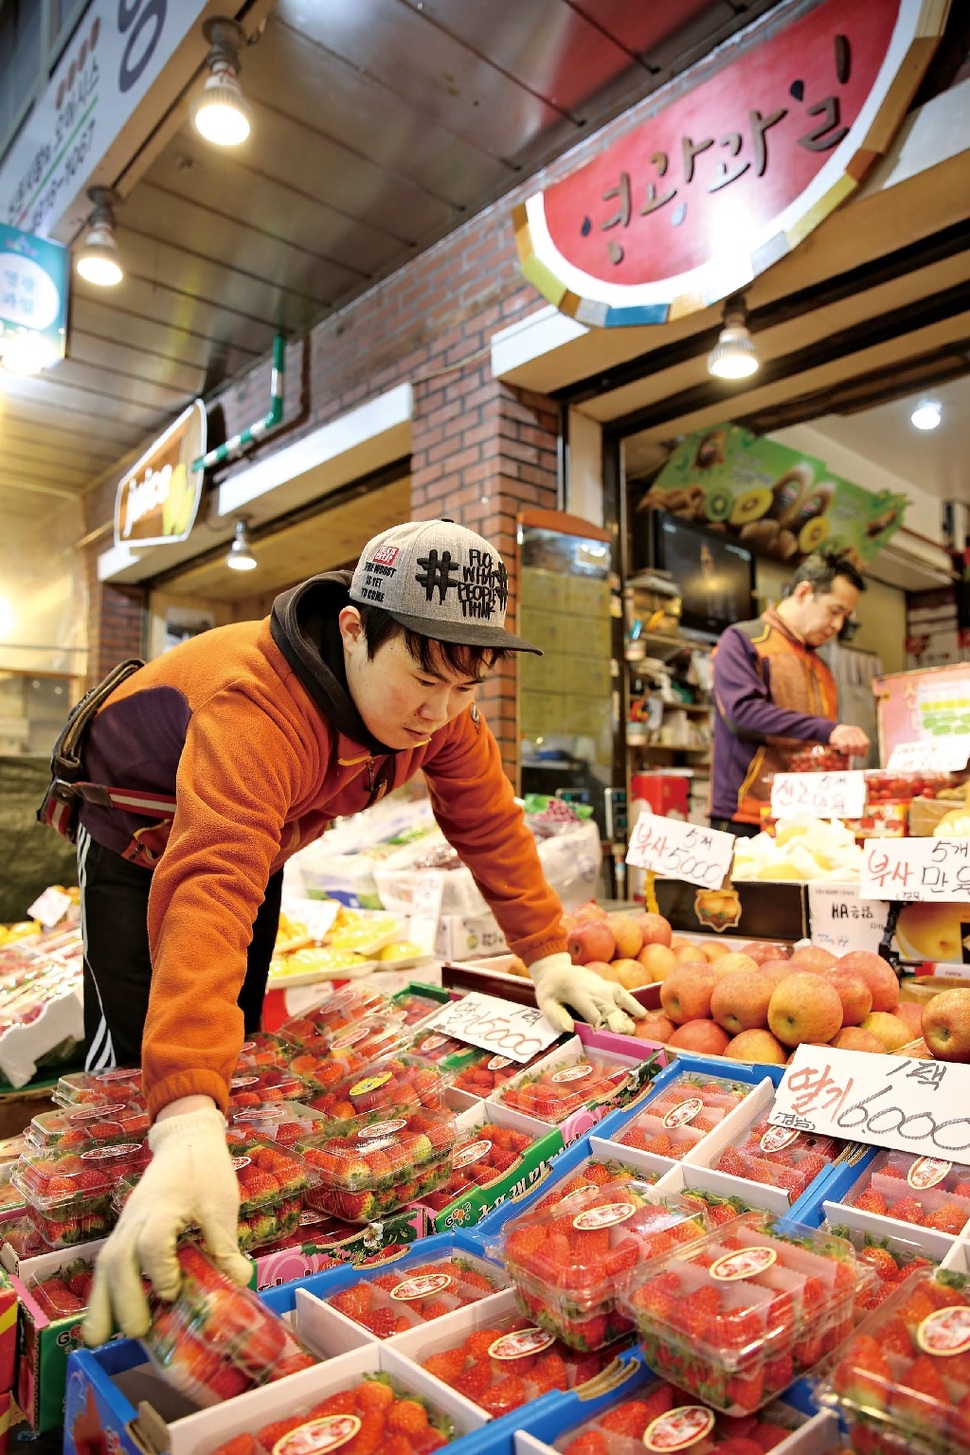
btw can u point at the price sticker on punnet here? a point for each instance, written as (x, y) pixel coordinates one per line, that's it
(516, 1031)
(824, 795)
(679, 850)
(925, 870)
(887, 1101)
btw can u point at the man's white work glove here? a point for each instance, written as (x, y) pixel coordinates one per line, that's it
(190, 1180)
(561, 986)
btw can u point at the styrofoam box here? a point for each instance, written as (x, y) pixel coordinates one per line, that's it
(202, 1430)
(933, 1243)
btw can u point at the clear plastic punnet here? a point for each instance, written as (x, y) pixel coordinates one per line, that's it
(119, 1083)
(902, 1382)
(779, 1157)
(335, 1013)
(482, 1074)
(675, 1118)
(64, 1293)
(403, 1298)
(662, 1418)
(381, 1167)
(217, 1340)
(928, 1192)
(323, 1063)
(264, 1048)
(593, 1172)
(285, 1122)
(257, 1085)
(87, 1123)
(373, 1093)
(511, 1360)
(567, 1262)
(68, 1193)
(482, 1155)
(553, 1094)
(737, 1316)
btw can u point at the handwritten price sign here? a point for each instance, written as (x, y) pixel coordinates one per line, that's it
(915, 869)
(826, 795)
(516, 1031)
(886, 1101)
(681, 850)
(931, 755)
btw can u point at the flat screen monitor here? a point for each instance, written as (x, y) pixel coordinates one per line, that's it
(715, 576)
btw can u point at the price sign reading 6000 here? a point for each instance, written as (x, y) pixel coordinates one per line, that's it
(681, 850)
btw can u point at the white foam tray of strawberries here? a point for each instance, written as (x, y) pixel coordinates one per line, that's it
(818, 1436)
(204, 1430)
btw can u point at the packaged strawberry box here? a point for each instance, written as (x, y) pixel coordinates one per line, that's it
(414, 1006)
(690, 1099)
(119, 1083)
(374, 1414)
(68, 1193)
(256, 1085)
(433, 1045)
(891, 1259)
(592, 1172)
(567, 1262)
(928, 1192)
(734, 1318)
(553, 1093)
(719, 1209)
(217, 1340)
(285, 1122)
(483, 1155)
(335, 1013)
(322, 1064)
(64, 1293)
(383, 1166)
(779, 1157)
(390, 1084)
(406, 1297)
(89, 1122)
(485, 1073)
(662, 1418)
(511, 1360)
(264, 1048)
(902, 1382)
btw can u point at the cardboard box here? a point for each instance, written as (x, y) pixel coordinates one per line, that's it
(462, 935)
(44, 1344)
(308, 1253)
(767, 909)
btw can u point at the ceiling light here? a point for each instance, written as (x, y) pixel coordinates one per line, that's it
(221, 114)
(28, 353)
(927, 414)
(734, 356)
(240, 557)
(98, 261)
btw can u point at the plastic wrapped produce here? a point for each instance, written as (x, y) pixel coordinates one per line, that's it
(661, 1418)
(68, 1193)
(389, 1303)
(779, 1157)
(555, 1093)
(925, 1191)
(383, 1166)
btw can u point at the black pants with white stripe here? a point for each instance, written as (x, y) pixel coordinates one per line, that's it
(117, 963)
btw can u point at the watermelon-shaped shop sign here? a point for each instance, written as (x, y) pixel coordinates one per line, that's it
(712, 189)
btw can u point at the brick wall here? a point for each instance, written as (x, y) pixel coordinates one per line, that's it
(121, 628)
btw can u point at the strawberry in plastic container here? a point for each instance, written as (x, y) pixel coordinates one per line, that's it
(402, 1298)
(217, 1340)
(387, 1085)
(554, 1094)
(263, 1048)
(120, 1083)
(68, 1193)
(323, 1063)
(481, 1157)
(594, 1172)
(382, 1167)
(373, 1414)
(335, 1013)
(413, 1007)
(779, 1157)
(660, 1417)
(257, 1085)
(64, 1293)
(485, 1073)
(90, 1123)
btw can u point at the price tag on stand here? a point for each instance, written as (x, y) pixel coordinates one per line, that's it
(681, 850)
(927, 870)
(840, 921)
(49, 908)
(517, 1031)
(884, 1101)
(931, 755)
(824, 795)
(426, 898)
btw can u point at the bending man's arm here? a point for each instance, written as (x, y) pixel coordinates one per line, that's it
(743, 699)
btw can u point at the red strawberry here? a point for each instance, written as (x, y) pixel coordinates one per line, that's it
(508, 1394)
(872, 1201)
(949, 1218)
(474, 1381)
(894, 1338)
(863, 1376)
(693, 1314)
(591, 1442)
(629, 1418)
(920, 1395)
(908, 1210)
(881, 1260)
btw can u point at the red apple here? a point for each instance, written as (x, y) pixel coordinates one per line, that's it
(878, 975)
(912, 1014)
(854, 1038)
(631, 974)
(590, 940)
(812, 957)
(739, 1002)
(804, 1007)
(756, 1045)
(654, 928)
(854, 993)
(658, 959)
(628, 936)
(888, 1028)
(654, 1027)
(686, 993)
(762, 950)
(702, 1036)
(946, 1025)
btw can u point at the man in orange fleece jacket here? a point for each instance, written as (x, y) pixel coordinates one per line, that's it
(261, 733)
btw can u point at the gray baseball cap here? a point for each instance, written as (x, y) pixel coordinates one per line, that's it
(440, 580)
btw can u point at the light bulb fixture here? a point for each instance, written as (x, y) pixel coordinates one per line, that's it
(240, 557)
(927, 414)
(734, 356)
(98, 260)
(221, 114)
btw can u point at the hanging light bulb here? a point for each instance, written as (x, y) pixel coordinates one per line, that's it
(927, 414)
(221, 114)
(98, 260)
(734, 356)
(240, 557)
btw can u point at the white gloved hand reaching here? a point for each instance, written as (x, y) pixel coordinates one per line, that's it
(190, 1180)
(560, 985)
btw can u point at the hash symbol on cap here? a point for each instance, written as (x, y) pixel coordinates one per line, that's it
(438, 573)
